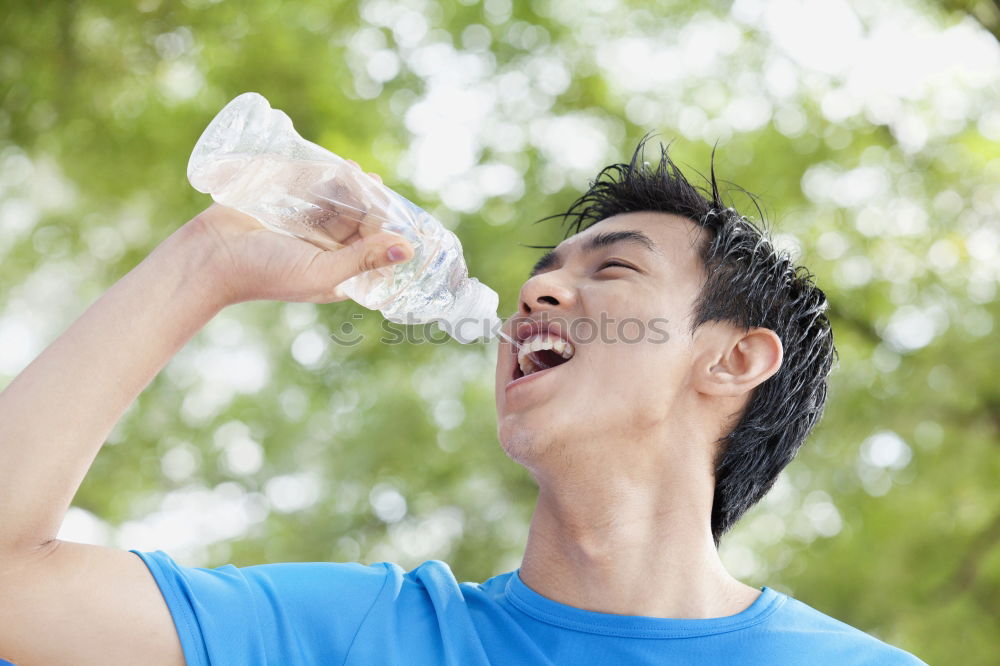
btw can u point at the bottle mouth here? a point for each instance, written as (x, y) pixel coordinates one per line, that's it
(473, 316)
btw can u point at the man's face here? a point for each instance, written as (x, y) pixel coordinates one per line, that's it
(621, 293)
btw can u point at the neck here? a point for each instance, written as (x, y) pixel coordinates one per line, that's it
(630, 548)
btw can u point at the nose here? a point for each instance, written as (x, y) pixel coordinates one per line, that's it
(546, 292)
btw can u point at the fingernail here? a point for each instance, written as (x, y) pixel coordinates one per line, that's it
(396, 253)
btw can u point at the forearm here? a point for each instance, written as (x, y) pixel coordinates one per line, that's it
(57, 413)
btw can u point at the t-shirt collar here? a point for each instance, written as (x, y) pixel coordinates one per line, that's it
(637, 626)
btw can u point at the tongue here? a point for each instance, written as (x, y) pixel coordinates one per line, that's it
(546, 358)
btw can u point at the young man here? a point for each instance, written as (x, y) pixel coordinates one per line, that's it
(648, 438)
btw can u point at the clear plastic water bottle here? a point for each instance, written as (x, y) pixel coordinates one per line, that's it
(251, 158)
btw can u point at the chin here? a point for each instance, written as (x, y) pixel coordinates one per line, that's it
(515, 440)
(524, 443)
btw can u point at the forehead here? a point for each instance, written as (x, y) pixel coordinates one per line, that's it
(677, 239)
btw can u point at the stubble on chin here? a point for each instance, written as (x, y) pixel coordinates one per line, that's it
(522, 445)
(532, 449)
(516, 445)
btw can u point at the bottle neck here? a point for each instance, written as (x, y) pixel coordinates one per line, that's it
(473, 316)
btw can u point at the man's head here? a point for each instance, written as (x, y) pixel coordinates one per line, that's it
(699, 351)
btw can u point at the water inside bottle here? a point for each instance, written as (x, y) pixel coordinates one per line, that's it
(322, 202)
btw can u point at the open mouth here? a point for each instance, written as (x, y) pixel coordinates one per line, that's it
(542, 351)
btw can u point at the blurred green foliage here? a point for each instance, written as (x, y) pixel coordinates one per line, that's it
(870, 132)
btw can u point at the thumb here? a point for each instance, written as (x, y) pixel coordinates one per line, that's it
(365, 254)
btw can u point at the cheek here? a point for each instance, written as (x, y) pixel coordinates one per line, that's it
(643, 378)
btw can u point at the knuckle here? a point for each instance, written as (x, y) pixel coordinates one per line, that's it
(370, 260)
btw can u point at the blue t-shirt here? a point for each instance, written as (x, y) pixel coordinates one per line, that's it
(330, 613)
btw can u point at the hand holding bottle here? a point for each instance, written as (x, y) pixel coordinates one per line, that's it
(252, 263)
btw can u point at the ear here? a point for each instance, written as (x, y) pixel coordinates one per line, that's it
(744, 361)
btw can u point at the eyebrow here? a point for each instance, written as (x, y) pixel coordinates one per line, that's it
(597, 242)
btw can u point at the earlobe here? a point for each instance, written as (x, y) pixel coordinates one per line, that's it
(748, 359)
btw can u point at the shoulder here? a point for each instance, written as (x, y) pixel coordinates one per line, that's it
(232, 614)
(434, 579)
(801, 625)
(292, 577)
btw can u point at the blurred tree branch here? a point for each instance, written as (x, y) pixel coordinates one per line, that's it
(968, 569)
(986, 12)
(859, 324)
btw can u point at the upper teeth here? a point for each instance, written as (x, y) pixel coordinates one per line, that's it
(538, 342)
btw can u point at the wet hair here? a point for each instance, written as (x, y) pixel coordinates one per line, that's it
(749, 283)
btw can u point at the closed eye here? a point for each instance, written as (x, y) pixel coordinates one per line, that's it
(611, 264)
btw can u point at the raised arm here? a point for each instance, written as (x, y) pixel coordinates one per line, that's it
(63, 603)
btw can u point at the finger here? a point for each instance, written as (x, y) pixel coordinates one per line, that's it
(363, 255)
(341, 228)
(351, 239)
(371, 174)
